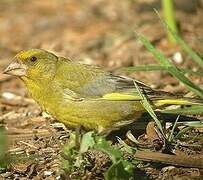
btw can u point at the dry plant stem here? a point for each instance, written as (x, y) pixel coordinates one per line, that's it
(195, 161)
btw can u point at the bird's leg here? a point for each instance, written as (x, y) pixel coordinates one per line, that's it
(78, 136)
(105, 132)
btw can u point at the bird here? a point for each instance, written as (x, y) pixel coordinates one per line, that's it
(87, 96)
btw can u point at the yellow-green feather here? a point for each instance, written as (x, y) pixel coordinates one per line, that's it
(78, 94)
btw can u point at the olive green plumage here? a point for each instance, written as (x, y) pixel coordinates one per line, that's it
(78, 94)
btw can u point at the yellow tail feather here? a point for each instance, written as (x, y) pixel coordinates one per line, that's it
(174, 102)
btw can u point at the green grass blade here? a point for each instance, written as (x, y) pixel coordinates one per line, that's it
(183, 132)
(172, 69)
(149, 109)
(171, 136)
(193, 110)
(169, 16)
(194, 56)
(3, 148)
(194, 124)
(148, 67)
(189, 71)
(156, 67)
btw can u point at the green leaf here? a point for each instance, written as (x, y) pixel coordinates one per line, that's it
(103, 145)
(68, 147)
(69, 153)
(87, 142)
(119, 171)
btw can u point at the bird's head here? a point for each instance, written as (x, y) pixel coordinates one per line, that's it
(34, 64)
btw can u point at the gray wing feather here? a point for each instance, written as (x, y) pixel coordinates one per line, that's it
(117, 84)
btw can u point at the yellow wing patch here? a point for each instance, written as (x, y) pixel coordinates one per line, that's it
(121, 97)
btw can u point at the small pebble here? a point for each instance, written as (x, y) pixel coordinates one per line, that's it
(8, 95)
(48, 173)
(177, 57)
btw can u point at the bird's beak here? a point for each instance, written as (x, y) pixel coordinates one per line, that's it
(16, 69)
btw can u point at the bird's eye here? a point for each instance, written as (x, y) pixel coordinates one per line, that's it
(33, 59)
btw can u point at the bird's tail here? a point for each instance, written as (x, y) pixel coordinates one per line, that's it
(178, 101)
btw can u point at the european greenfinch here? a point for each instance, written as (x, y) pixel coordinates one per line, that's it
(83, 95)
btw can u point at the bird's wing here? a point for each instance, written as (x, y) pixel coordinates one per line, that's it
(92, 82)
(111, 87)
(117, 88)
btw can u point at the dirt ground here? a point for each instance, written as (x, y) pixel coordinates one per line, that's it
(96, 32)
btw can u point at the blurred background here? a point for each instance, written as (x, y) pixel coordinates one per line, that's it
(98, 32)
